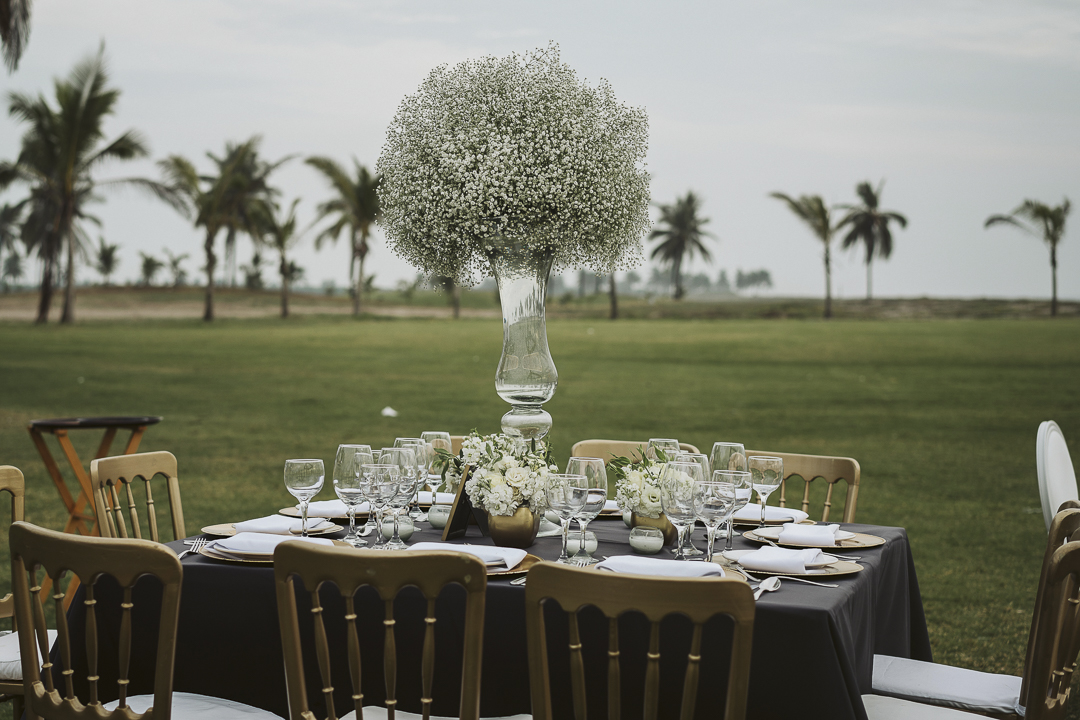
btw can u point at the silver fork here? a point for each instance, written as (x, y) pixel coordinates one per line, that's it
(788, 577)
(196, 545)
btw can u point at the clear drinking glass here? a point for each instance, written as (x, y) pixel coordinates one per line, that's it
(677, 497)
(731, 456)
(766, 473)
(439, 441)
(566, 495)
(669, 446)
(380, 485)
(713, 503)
(703, 460)
(596, 480)
(741, 480)
(304, 479)
(405, 459)
(421, 449)
(347, 464)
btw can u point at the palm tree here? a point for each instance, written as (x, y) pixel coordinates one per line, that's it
(13, 269)
(10, 219)
(682, 236)
(178, 273)
(14, 30)
(813, 211)
(227, 200)
(61, 150)
(150, 267)
(281, 235)
(1044, 220)
(356, 207)
(870, 225)
(107, 260)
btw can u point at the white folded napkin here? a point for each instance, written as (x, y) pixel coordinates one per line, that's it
(440, 498)
(659, 568)
(280, 525)
(249, 543)
(611, 506)
(781, 560)
(793, 534)
(752, 513)
(332, 508)
(491, 555)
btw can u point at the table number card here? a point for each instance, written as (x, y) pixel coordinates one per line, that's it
(462, 512)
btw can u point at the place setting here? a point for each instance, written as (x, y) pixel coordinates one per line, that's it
(812, 536)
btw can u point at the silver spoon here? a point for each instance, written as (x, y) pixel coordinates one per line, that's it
(769, 584)
(751, 578)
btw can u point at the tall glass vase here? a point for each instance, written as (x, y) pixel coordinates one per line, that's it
(526, 377)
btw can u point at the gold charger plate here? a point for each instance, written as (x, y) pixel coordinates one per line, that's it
(840, 567)
(730, 571)
(295, 513)
(520, 569)
(860, 540)
(755, 523)
(238, 561)
(229, 529)
(609, 515)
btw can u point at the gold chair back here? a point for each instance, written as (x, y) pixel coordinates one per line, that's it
(13, 483)
(699, 599)
(88, 558)
(112, 478)
(387, 573)
(812, 467)
(455, 443)
(607, 449)
(1057, 638)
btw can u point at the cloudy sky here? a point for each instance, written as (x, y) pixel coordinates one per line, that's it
(963, 108)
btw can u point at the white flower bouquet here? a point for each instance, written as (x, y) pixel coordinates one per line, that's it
(508, 472)
(637, 483)
(518, 149)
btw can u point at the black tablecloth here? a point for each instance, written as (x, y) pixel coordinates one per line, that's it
(812, 656)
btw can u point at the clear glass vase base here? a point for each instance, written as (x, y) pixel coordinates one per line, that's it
(530, 423)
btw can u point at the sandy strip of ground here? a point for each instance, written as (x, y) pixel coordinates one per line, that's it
(27, 312)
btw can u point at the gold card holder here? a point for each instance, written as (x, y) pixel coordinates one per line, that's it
(462, 512)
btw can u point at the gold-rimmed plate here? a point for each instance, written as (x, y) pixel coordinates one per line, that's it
(855, 542)
(614, 514)
(294, 512)
(229, 529)
(520, 569)
(833, 569)
(209, 553)
(777, 522)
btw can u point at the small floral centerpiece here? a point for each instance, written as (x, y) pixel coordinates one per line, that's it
(637, 483)
(508, 473)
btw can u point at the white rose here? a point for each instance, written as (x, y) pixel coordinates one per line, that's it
(517, 476)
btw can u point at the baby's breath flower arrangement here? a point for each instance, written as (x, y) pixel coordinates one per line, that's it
(508, 472)
(514, 148)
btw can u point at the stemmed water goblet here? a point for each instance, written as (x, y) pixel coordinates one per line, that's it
(405, 460)
(766, 474)
(713, 503)
(380, 485)
(740, 479)
(304, 479)
(703, 460)
(668, 446)
(677, 497)
(423, 458)
(731, 456)
(566, 495)
(347, 483)
(596, 481)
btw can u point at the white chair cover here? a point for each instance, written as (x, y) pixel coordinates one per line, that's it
(189, 706)
(11, 657)
(378, 712)
(879, 707)
(1057, 478)
(955, 687)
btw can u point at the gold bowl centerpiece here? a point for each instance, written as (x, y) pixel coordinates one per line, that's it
(512, 167)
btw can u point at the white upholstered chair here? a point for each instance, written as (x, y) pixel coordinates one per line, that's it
(880, 707)
(1057, 478)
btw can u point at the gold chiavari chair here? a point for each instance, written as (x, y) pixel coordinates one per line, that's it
(455, 443)
(607, 449)
(812, 467)
(112, 479)
(387, 574)
(52, 695)
(699, 599)
(1053, 646)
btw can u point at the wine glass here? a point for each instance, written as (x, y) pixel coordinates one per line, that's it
(566, 495)
(713, 503)
(766, 473)
(596, 481)
(741, 480)
(668, 446)
(405, 459)
(347, 483)
(677, 497)
(703, 460)
(304, 479)
(731, 456)
(420, 448)
(438, 440)
(380, 485)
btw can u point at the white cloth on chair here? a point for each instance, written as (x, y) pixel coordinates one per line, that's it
(1057, 478)
(880, 707)
(946, 685)
(11, 657)
(189, 706)
(378, 712)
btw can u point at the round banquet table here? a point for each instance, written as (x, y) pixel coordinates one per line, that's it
(812, 653)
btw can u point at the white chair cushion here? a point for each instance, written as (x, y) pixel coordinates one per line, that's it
(1057, 478)
(954, 687)
(879, 707)
(188, 706)
(378, 712)
(11, 658)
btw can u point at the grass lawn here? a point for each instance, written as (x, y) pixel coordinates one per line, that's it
(942, 416)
